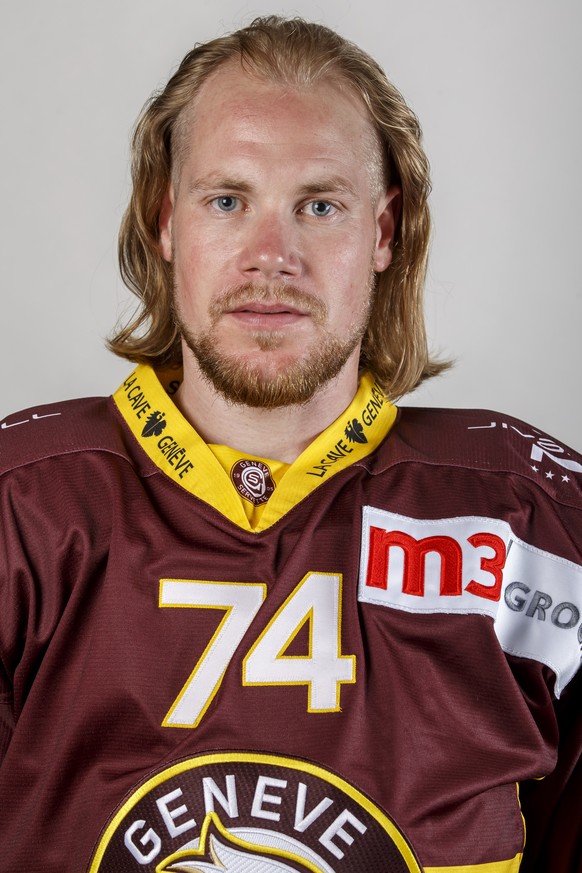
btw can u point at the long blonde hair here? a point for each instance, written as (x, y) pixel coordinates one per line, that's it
(293, 52)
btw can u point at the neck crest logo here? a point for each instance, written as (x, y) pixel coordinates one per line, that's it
(253, 480)
(155, 424)
(240, 811)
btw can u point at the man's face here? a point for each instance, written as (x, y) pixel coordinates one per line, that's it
(275, 229)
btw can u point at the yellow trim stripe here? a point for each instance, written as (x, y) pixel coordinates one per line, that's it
(511, 866)
(174, 446)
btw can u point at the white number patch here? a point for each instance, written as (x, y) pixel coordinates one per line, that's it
(315, 603)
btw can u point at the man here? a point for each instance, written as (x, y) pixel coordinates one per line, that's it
(254, 617)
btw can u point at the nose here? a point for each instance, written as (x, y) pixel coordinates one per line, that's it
(270, 248)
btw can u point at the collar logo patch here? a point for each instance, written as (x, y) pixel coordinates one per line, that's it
(237, 811)
(154, 425)
(355, 432)
(253, 480)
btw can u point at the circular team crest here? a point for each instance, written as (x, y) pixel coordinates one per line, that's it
(237, 812)
(253, 480)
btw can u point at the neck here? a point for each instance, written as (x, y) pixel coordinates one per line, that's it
(280, 434)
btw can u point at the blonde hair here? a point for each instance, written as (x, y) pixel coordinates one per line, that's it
(293, 52)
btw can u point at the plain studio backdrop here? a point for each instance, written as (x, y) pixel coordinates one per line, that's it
(496, 84)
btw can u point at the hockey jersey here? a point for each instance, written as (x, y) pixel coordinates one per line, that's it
(377, 672)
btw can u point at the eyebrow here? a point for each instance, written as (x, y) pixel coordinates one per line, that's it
(215, 181)
(336, 184)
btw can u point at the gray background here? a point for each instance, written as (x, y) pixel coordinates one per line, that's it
(496, 85)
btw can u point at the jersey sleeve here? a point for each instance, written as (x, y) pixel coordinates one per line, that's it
(552, 807)
(6, 712)
(45, 474)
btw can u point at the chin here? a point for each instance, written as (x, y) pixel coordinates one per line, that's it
(270, 378)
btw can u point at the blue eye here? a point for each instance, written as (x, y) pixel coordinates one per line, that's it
(226, 203)
(321, 208)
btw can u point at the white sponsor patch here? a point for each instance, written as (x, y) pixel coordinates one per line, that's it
(477, 565)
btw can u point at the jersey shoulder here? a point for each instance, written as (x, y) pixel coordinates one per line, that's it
(481, 439)
(69, 427)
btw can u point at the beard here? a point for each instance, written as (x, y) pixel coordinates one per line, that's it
(288, 380)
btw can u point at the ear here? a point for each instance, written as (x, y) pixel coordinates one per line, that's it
(387, 215)
(166, 215)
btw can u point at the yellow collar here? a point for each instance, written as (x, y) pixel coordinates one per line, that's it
(177, 450)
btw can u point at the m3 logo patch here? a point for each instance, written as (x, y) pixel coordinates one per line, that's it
(475, 565)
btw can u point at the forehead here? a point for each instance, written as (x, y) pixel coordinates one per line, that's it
(248, 115)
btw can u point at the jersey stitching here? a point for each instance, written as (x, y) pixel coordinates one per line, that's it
(84, 450)
(458, 465)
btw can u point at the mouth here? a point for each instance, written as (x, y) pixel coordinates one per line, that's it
(268, 308)
(261, 315)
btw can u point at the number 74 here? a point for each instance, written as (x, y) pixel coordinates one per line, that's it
(315, 603)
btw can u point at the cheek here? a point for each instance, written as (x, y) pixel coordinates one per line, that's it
(352, 280)
(194, 258)
(201, 237)
(352, 265)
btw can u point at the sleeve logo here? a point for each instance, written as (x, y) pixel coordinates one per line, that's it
(477, 565)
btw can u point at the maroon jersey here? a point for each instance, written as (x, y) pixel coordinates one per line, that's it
(369, 683)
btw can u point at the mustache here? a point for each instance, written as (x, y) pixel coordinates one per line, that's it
(276, 292)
